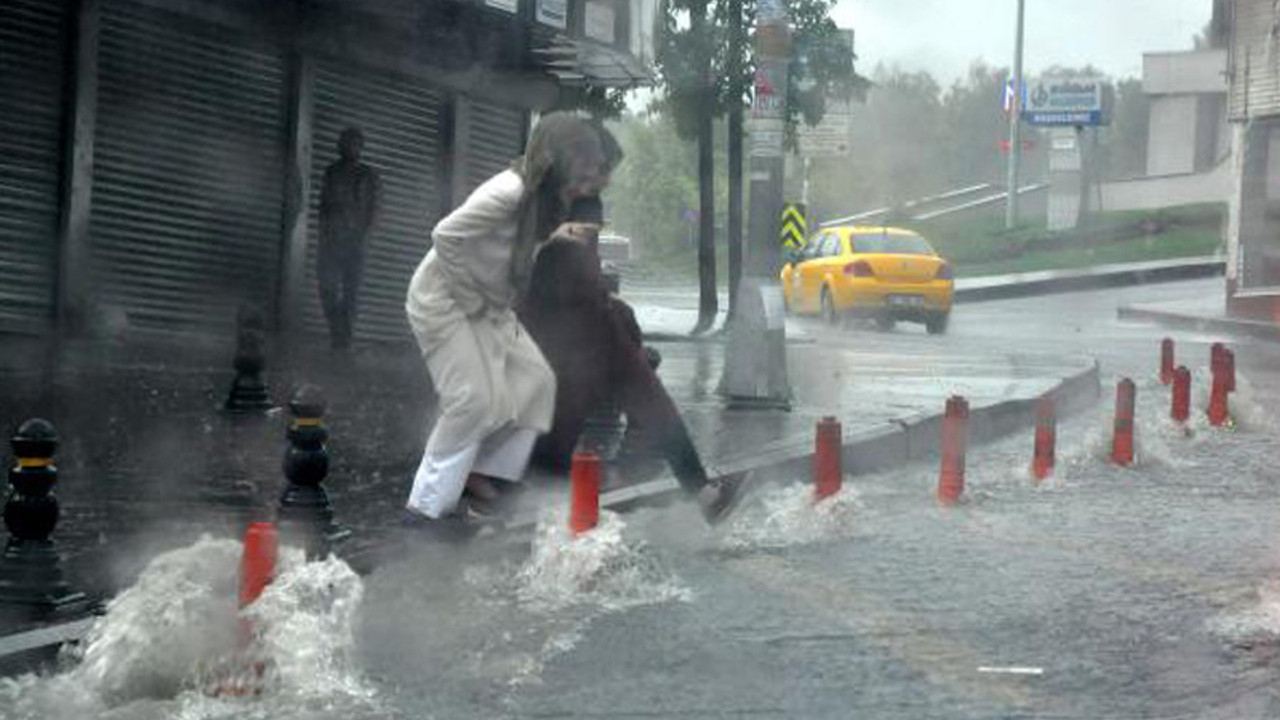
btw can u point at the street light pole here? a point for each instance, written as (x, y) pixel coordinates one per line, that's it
(1015, 128)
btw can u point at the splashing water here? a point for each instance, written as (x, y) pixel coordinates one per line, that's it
(165, 640)
(604, 567)
(1257, 624)
(1249, 414)
(307, 617)
(788, 516)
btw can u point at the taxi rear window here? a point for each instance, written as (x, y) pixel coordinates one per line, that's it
(894, 244)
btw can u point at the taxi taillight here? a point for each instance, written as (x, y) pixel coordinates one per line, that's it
(945, 272)
(861, 268)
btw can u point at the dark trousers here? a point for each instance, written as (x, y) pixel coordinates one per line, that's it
(339, 272)
(599, 363)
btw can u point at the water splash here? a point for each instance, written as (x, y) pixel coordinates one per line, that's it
(168, 638)
(1258, 624)
(306, 619)
(788, 516)
(1250, 414)
(605, 567)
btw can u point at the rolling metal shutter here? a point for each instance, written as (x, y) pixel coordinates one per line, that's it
(185, 221)
(497, 136)
(32, 49)
(400, 118)
(1254, 62)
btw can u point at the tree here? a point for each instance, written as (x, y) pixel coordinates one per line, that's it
(651, 188)
(705, 69)
(974, 125)
(1124, 151)
(686, 54)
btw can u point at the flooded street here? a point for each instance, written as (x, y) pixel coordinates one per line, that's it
(1143, 592)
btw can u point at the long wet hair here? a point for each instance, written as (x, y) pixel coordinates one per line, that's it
(557, 140)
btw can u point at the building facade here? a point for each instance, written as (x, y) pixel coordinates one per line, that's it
(160, 160)
(1253, 219)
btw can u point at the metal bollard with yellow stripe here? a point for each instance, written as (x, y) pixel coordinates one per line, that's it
(305, 512)
(30, 569)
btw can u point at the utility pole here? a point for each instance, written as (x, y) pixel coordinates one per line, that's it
(1015, 128)
(755, 366)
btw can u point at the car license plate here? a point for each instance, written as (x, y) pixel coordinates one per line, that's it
(906, 300)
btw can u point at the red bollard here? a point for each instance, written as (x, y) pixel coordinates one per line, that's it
(1046, 439)
(1166, 361)
(1216, 358)
(828, 475)
(1122, 441)
(1229, 369)
(257, 568)
(955, 436)
(1219, 412)
(584, 489)
(1181, 395)
(243, 677)
(258, 563)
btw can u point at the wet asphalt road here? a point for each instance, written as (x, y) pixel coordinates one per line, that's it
(1105, 593)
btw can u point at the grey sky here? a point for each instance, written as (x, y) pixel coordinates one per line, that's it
(944, 36)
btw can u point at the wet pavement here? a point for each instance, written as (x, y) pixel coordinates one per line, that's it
(1105, 593)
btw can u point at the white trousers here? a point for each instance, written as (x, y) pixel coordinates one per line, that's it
(441, 477)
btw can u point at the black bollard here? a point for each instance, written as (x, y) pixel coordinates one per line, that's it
(306, 515)
(249, 395)
(31, 579)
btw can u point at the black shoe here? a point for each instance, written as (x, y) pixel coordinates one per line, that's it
(464, 523)
(443, 530)
(722, 495)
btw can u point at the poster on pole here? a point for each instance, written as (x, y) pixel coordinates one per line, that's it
(830, 137)
(767, 137)
(769, 99)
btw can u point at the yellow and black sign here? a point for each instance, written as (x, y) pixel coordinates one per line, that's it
(794, 227)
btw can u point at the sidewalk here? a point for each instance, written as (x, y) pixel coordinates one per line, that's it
(889, 405)
(997, 287)
(1202, 314)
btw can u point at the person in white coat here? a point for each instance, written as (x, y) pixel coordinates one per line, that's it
(496, 391)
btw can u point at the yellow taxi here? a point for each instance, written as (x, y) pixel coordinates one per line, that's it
(884, 273)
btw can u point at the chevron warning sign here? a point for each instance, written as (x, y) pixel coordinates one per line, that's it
(794, 227)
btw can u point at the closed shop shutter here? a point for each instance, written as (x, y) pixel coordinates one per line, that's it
(1254, 60)
(400, 119)
(32, 49)
(186, 210)
(497, 137)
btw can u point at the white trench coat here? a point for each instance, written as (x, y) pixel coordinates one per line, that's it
(487, 370)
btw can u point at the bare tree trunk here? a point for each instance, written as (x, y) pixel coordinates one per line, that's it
(708, 301)
(735, 207)
(735, 154)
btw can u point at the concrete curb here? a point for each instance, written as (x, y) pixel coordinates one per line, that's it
(904, 440)
(1052, 282)
(1251, 329)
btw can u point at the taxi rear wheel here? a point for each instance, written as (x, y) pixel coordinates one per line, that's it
(829, 314)
(885, 322)
(937, 324)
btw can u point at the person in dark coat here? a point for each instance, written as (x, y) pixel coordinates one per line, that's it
(349, 204)
(593, 343)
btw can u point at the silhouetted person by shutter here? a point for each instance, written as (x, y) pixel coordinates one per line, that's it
(349, 205)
